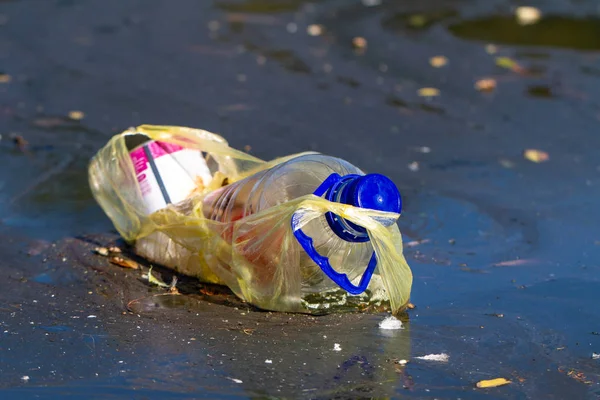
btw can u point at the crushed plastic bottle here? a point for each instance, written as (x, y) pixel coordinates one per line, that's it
(303, 233)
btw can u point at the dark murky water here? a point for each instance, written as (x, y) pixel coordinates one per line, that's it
(493, 233)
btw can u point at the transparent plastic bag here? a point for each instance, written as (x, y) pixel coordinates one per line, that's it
(259, 261)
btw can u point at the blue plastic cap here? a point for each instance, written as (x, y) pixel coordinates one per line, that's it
(375, 192)
(372, 191)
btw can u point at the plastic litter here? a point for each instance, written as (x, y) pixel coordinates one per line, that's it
(391, 322)
(442, 357)
(303, 233)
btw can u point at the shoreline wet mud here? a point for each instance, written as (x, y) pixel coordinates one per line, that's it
(504, 250)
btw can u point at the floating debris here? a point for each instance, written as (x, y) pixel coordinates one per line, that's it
(173, 286)
(537, 156)
(491, 48)
(442, 357)
(527, 15)
(579, 376)
(411, 306)
(315, 30)
(25, 378)
(438, 61)
(391, 322)
(492, 383)
(20, 142)
(114, 249)
(102, 251)
(122, 262)
(495, 315)
(268, 361)
(152, 279)
(506, 163)
(76, 115)
(485, 85)
(428, 92)
(414, 166)
(595, 356)
(414, 243)
(509, 63)
(235, 380)
(359, 43)
(6, 78)
(337, 347)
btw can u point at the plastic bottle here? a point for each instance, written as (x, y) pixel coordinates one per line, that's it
(296, 233)
(333, 252)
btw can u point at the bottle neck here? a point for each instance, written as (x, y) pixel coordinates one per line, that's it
(372, 191)
(346, 230)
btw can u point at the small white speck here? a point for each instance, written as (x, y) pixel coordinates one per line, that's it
(91, 316)
(595, 356)
(337, 347)
(268, 361)
(413, 166)
(402, 362)
(391, 322)
(371, 3)
(292, 27)
(324, 336)
(120, 361)
(235, 380)
(214, 25)
(25, 378)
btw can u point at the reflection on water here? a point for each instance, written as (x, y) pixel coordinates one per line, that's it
(260, 6)
(540, 91)
(417, 21)
(551, 31)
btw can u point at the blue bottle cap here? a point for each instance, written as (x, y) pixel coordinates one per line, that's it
(372, 191)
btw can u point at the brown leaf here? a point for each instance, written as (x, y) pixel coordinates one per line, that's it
(122, 262)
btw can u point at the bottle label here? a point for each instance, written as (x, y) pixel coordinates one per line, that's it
(168, 173)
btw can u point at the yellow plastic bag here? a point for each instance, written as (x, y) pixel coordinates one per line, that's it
(258, 256)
